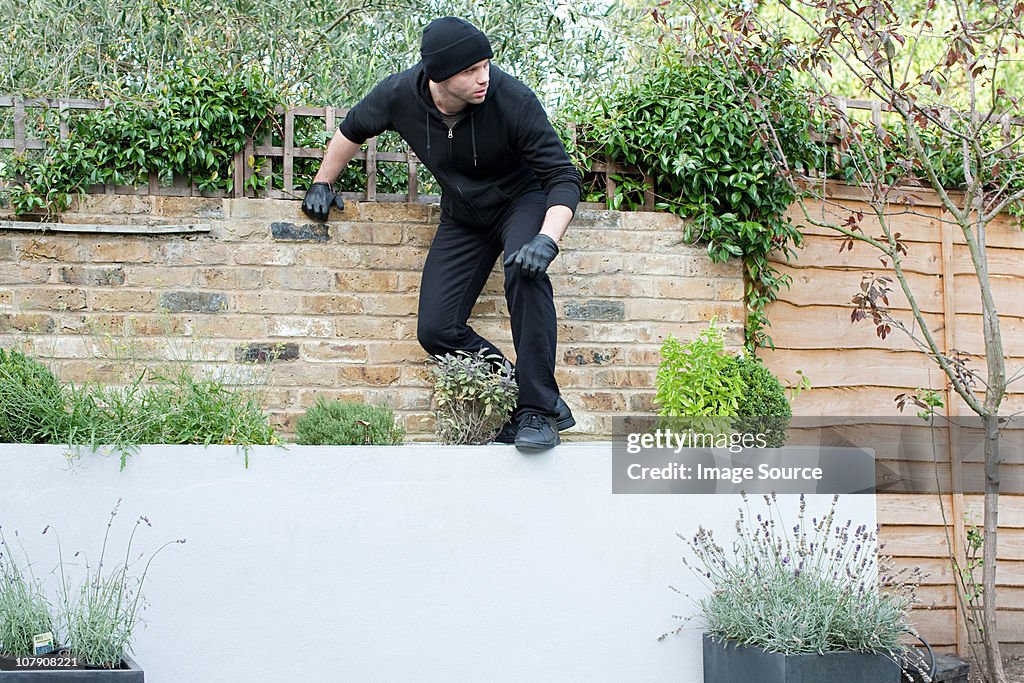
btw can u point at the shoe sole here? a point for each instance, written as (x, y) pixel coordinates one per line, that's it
(535, 446)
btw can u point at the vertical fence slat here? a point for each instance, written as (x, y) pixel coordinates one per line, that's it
(329, 119)
(249, 164)
(844, 112)
(371, 170)
(959, 532)
(267, 171)
(414, 181)
(62, 118)
(238, 172)
(19, 124)
(289, 151)
(609, 183)
(329, 116)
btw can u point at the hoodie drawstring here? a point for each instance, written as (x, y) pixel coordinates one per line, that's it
(428, 134)
(472, 134)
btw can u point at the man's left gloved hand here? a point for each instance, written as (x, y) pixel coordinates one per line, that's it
(533, 258)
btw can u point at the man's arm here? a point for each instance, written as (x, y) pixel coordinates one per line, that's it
(321, 196)
(544, 153)
(556, 220)
(340, 151)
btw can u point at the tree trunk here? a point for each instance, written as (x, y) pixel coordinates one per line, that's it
(990, 634)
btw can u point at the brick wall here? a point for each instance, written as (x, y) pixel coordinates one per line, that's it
(338, 301)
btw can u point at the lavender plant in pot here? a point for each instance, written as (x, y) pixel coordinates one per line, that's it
(91, 634)
(801, 602)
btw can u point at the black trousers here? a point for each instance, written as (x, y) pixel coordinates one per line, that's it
(460, 259)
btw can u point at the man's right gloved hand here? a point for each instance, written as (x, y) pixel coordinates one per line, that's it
(318, 200)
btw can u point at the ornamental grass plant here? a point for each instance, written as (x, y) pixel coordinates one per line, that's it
(24, 610)
(99, 618)
(96, 613)
(811, 587)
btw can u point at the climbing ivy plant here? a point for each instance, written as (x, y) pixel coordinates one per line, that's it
(690, 128)
(188, 122)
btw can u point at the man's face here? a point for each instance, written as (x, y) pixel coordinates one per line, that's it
(469, 85)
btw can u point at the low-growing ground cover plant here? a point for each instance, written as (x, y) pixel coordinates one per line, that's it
(347, 423)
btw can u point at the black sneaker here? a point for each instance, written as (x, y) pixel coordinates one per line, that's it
(507, 433)
(537, 432)
(563, 420)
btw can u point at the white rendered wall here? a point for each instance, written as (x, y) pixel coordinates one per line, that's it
(412, 563)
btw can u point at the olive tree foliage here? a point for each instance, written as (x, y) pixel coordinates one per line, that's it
(314, 52)
(941, 70)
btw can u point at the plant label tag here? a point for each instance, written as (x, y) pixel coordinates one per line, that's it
(42, 643)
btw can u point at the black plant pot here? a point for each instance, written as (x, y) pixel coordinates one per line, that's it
(10, 672)
(727, 662)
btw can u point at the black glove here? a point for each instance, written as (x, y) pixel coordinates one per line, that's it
(318, 200)
(533, 258)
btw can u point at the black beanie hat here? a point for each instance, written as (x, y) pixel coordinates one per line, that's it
(450, 45)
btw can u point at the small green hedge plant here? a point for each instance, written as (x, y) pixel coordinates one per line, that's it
(347, 423)
(474, 396)
(763, 407)
(701, 381)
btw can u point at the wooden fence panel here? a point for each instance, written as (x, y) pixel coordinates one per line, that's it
(855, 373)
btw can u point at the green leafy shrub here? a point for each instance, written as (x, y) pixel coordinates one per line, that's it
(701, 380)
(812, 586)
(698, 379)
(763, 407)
(32, 400)
(473, 397)
(342, 423)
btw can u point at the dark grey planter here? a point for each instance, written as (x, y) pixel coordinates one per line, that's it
(130, 673)
(726, 662)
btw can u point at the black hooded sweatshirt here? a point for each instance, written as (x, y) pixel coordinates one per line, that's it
(500, 149)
